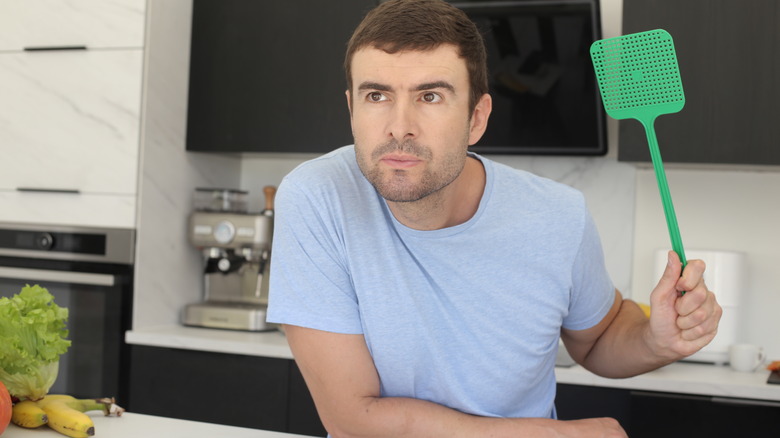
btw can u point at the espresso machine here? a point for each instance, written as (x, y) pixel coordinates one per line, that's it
(236, 248)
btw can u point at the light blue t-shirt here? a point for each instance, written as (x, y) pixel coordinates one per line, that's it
(468, 316)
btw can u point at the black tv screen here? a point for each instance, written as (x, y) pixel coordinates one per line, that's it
(545, 95)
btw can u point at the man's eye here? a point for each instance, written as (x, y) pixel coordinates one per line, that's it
(431, 98)
(376, 96)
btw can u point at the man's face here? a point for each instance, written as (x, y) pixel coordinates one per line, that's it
(410, 119)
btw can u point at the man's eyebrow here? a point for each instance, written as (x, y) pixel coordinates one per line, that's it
(373, 86)
(368, 85)
(434, 85)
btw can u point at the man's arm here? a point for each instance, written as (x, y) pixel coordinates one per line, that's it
(344, 383)
(625, 343)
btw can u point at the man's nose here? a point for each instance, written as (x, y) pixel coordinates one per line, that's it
(403, 123)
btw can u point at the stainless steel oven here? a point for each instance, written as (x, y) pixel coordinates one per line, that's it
(89, 271)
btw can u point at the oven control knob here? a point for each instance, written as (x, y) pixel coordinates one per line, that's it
(224, 232)
(44, 241)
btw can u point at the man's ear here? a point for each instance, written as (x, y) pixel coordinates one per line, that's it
(479, 118)
(349, 103)
(349, 107)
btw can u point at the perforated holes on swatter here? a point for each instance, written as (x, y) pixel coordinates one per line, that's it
(637, 70)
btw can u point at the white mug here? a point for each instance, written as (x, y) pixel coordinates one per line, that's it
(746, 357)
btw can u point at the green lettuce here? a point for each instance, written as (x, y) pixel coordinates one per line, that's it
(32, 337)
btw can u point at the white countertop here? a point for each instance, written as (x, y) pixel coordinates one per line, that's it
(131, 425)
(680, 377)
(684, 378)
(267, 344)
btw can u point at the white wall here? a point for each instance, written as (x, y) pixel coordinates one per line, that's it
(167, 268)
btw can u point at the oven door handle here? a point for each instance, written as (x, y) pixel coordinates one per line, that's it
(58, 276)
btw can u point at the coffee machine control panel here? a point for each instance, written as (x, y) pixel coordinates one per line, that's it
(230, 230)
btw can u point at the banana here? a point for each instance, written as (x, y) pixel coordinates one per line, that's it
(66, 413)
(65, 419)
(105, 404)
(28, 414)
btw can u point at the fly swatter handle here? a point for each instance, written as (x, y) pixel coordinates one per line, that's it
(666, 197)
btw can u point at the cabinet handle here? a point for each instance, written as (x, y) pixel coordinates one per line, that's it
(53, 48)
(87, 278)
(669, 395)
(46, 190)
(745, 402)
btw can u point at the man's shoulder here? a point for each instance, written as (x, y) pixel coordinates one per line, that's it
(330, 165)
(326, 181)
(527, 185)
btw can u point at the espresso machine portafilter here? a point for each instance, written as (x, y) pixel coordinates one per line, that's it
(236, 249)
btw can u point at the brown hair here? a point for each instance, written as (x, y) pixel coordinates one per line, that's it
(399, 25)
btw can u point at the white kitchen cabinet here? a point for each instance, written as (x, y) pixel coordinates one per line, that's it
(71, 77)
(57, 23)
(70, 120)
(82, 209)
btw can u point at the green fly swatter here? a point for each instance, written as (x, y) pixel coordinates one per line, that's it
(639, 79)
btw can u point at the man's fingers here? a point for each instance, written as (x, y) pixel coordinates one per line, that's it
(702, 321)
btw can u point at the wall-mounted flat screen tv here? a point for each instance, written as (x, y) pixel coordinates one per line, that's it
(545, 95)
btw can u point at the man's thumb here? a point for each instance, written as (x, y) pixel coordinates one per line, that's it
(667, 285)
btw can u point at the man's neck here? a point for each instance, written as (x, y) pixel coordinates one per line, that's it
(450, 206)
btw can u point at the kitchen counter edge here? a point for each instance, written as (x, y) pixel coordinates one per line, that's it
(131, 425)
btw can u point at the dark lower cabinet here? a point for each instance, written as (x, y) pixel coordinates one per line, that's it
(302, 417)
(676, 415)
(575, 402)
(645, 414)
(270, 394)
(237, 390)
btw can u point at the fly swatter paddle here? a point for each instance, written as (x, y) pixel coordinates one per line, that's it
(639, 79)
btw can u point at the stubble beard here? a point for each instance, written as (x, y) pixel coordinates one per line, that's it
(398, 185)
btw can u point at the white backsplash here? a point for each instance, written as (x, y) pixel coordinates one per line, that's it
(727, 210)
(168, 269)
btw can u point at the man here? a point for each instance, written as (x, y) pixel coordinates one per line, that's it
(423, 289)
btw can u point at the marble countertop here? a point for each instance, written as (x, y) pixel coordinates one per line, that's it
(131, 425)
(267, 344)
(684, 378)
(680, 377)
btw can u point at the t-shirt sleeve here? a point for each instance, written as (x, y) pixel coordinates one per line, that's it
(593, 292)
(310, 285)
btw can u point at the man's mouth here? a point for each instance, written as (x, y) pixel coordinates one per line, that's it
(400, 161)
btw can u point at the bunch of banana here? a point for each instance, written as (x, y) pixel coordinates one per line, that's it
(63, 413)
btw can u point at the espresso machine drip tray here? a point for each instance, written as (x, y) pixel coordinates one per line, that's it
(226, 315)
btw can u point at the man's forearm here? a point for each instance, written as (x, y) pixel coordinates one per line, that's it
(624, 348)
(406, 417)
